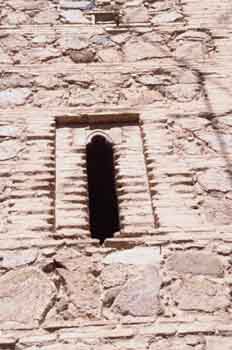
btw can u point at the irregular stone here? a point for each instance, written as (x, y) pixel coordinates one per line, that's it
(224, 249)
(135, 256)
(217, 210)
(14, 97)
(29, 340)
(136, 51)
(215, 180)
(4, 57)
(194, 35)
(110, 55)
(62, 346)
(193, 340)
(200, 294)
(81, 4)
(9, 149)
(135, 14)
(84, 97)
(102, 40)
(25, 287)
(13, 80)
(183, 92)
(216, 140)
(140, 295)
(49, 97)
(73, 42)
(217, 342)
(42, 39)
(42, 54)
(196, 263)
(110, 295)
(81, 79)
(83, 289)
(47, 16)
(172, 344)
(136, 96)
(17, 18)
(191, 50)
(226, 120)
(113, 275)
(14, 42)
(27, 5)
(120, 38)
(167, 17)
(83, 56)
(47, 81)
(155, 79)
(12, 260)
(73, 16)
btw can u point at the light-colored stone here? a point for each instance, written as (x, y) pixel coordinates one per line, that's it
(25, 296)
(201, 294)
(140, 295)
(196, 263)
(114, 275)
(167, 17)
(83, 290)
(4, 58)
(14, 97)
(136, 51)
(62, 346)
(173, 344)
(10, 149)
(215, 180)
(12, 260)
(73, 16)
(110, 55)
(135, 256)
(133, 15)
(214, 343)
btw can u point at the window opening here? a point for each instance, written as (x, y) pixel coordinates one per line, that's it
(103, 204)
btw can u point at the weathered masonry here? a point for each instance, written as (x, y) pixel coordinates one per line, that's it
(116, 174)
(76, 144)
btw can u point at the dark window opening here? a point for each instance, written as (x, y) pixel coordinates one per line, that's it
(103, 205)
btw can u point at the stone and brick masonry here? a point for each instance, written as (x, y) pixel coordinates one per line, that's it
(155, 76)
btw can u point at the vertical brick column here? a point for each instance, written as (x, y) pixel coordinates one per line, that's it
(171, 180)
(71, 184)
(133, 192)
(33, 178)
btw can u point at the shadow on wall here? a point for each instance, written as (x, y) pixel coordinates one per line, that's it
(103, 205)
(210, 114)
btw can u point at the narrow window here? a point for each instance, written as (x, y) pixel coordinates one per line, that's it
(103, 205)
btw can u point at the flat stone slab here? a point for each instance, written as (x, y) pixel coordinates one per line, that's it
(12, 260)
(135, 256)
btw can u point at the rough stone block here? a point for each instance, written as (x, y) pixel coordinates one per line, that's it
(25, 296)
(195, 263)
(200, 294)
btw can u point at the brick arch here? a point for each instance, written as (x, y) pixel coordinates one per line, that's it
(98, 132)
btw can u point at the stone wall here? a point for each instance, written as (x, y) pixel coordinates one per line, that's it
(156, 76)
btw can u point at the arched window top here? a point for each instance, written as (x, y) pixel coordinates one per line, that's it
(103, 204)
(98, 135)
